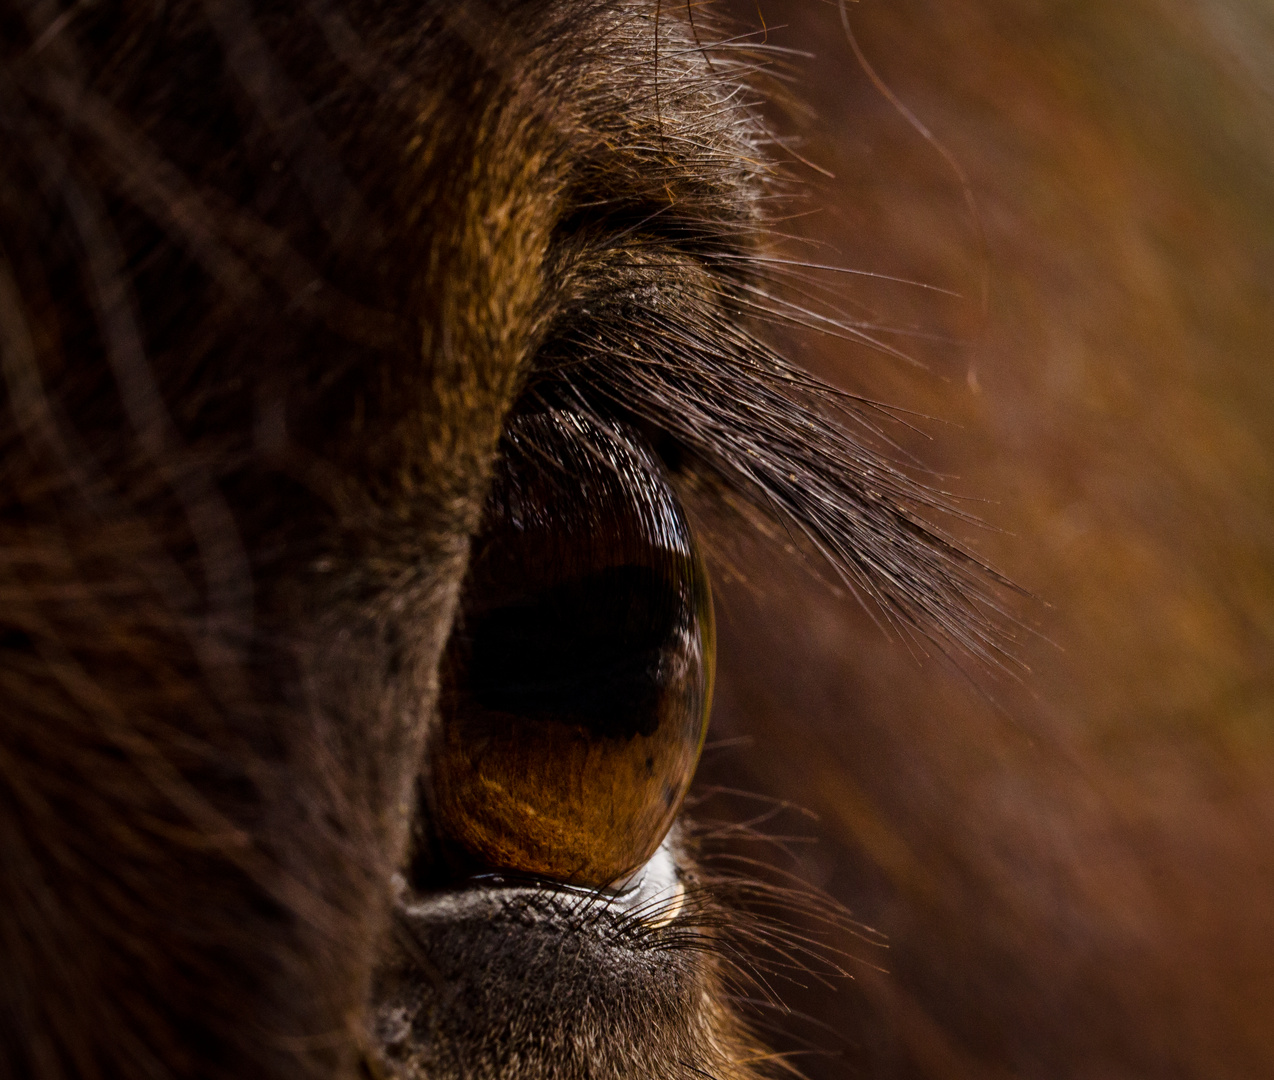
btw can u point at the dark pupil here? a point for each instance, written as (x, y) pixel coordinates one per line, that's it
(591, 652)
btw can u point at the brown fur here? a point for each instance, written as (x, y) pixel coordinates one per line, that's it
(272, 281)
(271, 278)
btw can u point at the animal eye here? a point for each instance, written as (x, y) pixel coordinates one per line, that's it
(577, 683)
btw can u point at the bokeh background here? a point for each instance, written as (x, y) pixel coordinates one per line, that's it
(1072, 865)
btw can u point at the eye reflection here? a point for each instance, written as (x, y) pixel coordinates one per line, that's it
(577, 684)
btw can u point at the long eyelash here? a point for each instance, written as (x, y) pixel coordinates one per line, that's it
(786, 443)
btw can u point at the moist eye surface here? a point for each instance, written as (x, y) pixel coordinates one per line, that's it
(577, 683)
(593, 652)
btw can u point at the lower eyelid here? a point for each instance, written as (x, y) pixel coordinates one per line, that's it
(654, 892)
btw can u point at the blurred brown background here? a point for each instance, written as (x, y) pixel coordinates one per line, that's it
(1074, 867)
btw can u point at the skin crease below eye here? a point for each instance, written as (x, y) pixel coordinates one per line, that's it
(1073, 868)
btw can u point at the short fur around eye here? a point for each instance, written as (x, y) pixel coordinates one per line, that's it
(271, 277)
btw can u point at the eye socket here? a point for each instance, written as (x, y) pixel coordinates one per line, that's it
(577, 684)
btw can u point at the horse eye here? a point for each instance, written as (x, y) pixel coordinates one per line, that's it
(577, 683)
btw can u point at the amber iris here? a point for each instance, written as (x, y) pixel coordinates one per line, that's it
(577, 683)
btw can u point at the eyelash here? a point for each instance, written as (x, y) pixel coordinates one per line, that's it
(680, 359)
